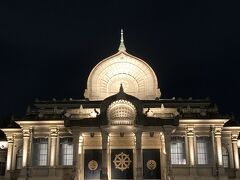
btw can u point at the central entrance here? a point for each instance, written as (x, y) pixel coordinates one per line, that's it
(122, 164)
(124, 160)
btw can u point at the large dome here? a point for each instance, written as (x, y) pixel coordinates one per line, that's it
(136, 76)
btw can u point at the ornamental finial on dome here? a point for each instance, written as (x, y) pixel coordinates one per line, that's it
(121, 88)
(122, 46)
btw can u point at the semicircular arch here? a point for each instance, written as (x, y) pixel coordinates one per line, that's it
(136, 76)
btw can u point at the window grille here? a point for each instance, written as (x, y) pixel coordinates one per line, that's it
(203, 150)
(225, 157)
(40, 151)
(66, 151)
(178, 150)
(19, 158)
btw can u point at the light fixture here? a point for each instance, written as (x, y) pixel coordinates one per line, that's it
(3, 144)
(151, 134)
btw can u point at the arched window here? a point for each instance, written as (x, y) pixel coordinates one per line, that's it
(225, 157)
(19, 158)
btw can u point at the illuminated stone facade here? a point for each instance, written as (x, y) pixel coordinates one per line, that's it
(123, 130)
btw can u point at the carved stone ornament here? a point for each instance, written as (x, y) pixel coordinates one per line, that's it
(92, 165)
(122, 161)
(151, 164)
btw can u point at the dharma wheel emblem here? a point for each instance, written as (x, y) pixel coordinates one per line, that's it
(151, 165)
(122, 161)
(92, 165)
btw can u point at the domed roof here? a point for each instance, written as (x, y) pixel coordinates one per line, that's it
(121, 112)
(121, 109)
(136, 76)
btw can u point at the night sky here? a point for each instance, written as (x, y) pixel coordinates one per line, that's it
(48, 48)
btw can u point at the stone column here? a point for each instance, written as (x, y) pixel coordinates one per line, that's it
(53, 145)
(217, 134)
(235, 150)
(14, 151)
(163, 156)
(139, 163)
(230, 151)
(167, 130)
(104, 171)
(26, 137)
(76, 156)
(190, 138)
(9, 153)
(80, 158)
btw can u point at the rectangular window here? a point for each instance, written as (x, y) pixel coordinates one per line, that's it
(203, 150)
(19, 158)
(178, 150)
(40, 151)
(66, 151)
(225, 157)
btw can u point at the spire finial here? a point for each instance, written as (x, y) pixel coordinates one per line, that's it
(121, 88)
(122, 46)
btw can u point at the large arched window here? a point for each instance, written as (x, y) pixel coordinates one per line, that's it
(19, 158)
(225, 157)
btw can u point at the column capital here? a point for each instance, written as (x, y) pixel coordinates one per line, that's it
(190, 131)
(234, 137)
(54, 131)
(10, 139)
(26, 132)
(217, 131)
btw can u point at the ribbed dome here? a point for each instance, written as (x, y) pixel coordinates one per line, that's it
(121, 112)
(136, 76)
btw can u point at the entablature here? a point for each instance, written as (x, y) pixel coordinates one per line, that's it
(202, 122)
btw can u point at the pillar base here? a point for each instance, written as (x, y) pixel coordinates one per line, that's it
(238, 174)
(7, 175)
(139, 175)
(221, 171)
(104, 174)
(192, 171)
(24, 173)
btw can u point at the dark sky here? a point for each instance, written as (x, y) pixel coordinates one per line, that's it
(48, 48)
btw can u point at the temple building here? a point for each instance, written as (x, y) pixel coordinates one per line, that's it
(121, 130)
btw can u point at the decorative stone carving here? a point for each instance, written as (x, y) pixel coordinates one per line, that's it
(122, 161)
(161, 112)
(26, 132)
(82, 113)
(121, 112)
(151, 164)
(92, 165)
(53, 132)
